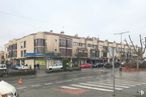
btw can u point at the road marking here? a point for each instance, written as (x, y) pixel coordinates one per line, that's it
(88, 87)
(20, 88)
(60, 81)
(110, 84)
(37, 85)
(46, 84)
(119, 82)
(127, 82)
(102, 86)
(67, 87)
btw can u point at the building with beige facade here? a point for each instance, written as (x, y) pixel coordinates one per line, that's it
(45, 48)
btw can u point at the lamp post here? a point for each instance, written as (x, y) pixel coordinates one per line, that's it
(113, 58)
(121, 34)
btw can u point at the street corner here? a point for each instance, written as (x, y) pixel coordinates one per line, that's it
(70, 90)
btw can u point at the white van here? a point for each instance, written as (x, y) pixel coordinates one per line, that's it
(7, 90)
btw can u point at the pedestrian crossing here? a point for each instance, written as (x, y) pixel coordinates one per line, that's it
(104, 85)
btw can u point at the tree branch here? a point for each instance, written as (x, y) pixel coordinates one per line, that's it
(133, 46)
(141, 48)
(127, 44)
(144, 46)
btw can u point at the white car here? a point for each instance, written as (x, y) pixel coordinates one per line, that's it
(7, 90)
(3, 69)
(21, 67)
(57, 66)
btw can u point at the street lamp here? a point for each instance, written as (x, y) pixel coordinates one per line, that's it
(113, 60)
(113, 67)
(121, 34)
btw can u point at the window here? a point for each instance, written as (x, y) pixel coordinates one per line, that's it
(65, 43)
(75, 44)
(89, 45)
(24, 44)
(39, 50)
(24, 52)
(21, 45)
(39, 42)
(21, 53)
(62, 43)
(66, 52)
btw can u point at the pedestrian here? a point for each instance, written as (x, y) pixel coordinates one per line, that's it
(38, 66)
(34, 66)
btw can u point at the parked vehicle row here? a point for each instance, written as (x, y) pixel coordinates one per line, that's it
(100, 65)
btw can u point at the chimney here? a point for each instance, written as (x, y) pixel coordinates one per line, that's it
(62, 32)
(76, 35)
(51, 31)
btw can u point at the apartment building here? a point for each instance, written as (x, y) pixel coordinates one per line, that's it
(45, 48)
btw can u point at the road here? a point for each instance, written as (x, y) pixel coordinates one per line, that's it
(84, 83)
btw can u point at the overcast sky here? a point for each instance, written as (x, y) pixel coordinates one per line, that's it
(94, 18)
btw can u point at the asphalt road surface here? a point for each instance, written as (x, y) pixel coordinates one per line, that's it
(84, 83)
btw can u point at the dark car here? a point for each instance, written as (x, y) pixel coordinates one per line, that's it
(109, 65)
(86, 65)
(97, 65)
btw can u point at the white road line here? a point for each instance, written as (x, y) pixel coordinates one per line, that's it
(120, 83)
(117, 82)
(109, 84)
(123, 84)
(88, 87)
(67, 87)
(101, 86)
(46, 84)
(20, 88)
(60, 81)
(129, 85)
(35, 85)
(128, 82)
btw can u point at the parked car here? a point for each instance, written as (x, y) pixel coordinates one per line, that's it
(86, 65)
(109, 65)
(7, 90)
(3, 69)
(57, 66)
(20, 67)
(97, 65)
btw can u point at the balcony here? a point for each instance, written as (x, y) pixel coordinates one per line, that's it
(82, 53)
(94, 53)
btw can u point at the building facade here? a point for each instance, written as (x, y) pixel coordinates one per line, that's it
(45, 48)
(2, 57)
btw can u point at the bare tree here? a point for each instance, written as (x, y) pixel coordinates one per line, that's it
(139, 50)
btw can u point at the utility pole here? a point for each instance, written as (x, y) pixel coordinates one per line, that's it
(113, 59)
(121, 34)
